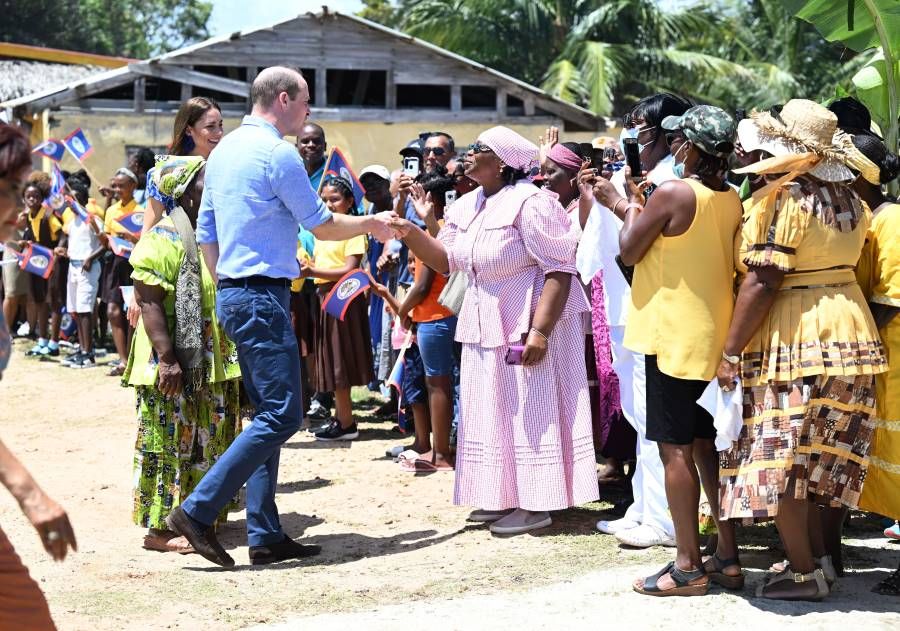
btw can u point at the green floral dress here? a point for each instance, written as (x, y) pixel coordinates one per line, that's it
(178, 440)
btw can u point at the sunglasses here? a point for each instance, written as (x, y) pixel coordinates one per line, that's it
(438, 151)
(478, 147)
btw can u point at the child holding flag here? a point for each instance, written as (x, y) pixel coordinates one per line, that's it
(117, 270)
(42, 228)
(81, 244)
(343, 349)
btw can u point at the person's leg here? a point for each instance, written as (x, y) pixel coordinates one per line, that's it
(10, 310)
(833, 520)
(257, 320)
(43, 320)
(440, 403)
(119, 325)
(85, 330)
(343, 407)
(435, 340)
(683, 494)
(707, 460)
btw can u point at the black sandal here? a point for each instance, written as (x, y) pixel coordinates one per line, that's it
(725, 580)
(682, 580)
(889, 586)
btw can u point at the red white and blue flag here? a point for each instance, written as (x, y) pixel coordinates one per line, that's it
(51, 148)
(351, 284)
(56, 200)
(77, 143)
(121, 247)
(37, 260)
(78, 209)
(337, 166)
(132, 222)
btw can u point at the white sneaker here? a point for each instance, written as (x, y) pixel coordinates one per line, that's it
(645, 536)
(521, 521)
(614, 526)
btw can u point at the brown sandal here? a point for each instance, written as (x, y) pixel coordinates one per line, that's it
(683, 579)
(787, 576)
(162, 543)
(718, 575)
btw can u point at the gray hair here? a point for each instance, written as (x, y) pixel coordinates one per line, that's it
(273, 81)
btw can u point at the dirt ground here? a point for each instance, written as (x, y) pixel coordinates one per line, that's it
(395, 551)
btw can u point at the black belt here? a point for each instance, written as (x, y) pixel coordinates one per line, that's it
(254, 281)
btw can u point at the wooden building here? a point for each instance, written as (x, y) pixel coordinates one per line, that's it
(372, 88)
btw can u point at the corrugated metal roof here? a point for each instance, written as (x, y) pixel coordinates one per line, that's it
(20, 78)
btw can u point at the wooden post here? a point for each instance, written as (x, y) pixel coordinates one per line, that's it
(455, 98)
(501, 104)
(140, 86)
(390, 90)
(529, 105)
(321, 87)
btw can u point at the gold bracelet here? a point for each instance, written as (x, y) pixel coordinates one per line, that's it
(541, 333)
(616, 205)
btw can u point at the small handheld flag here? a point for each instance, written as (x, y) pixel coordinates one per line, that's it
(132, 222)
(37, 260)
(352, 284)
(77, 208)
(337, 166)
(68, 326)
(121, 247)
(56, 200)
(77, 143)
(51, 148)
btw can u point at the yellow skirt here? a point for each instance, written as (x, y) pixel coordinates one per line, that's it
(881, 492)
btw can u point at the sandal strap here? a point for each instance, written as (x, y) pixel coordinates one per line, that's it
(721, 564)
(651, 583)
(684, 577)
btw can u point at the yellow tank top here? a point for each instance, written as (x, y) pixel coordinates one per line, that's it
(683, 291)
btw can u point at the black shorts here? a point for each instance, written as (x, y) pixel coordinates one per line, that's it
(673, 415)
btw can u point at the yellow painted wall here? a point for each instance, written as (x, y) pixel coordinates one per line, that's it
(363, 143)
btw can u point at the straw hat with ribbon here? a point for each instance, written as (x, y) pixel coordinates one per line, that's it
(804, 139)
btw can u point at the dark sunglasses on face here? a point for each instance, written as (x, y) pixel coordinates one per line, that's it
(478, 148)
(438, 151)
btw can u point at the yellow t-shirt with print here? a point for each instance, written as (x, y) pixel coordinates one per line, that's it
(333, 254)
(110, 223)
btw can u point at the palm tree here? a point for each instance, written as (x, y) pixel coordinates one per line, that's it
(593, 52)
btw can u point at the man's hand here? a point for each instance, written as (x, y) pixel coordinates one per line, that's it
(60, 251)
(380, 225)
(401, 227)
(404, 184)
(51, 523)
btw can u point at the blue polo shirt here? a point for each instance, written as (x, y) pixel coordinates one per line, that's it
(256, 193)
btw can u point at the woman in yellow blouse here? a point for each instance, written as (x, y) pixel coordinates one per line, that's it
(343, 348)
(879, 276)
(803, 342)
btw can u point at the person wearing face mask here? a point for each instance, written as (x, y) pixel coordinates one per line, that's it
(342, 348)
(681, 244)
(647, 521)
(22, 604)
(878, 273)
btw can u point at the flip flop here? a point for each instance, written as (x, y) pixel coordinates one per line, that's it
(421, 466)
(409, 454)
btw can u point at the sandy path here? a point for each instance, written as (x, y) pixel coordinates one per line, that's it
(392, 543)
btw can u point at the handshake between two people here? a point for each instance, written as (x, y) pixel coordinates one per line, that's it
(388, 225)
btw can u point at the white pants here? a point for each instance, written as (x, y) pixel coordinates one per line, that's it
(81, 294)
(648, 483)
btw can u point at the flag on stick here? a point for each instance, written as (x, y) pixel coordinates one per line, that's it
(51, 148)
(121, 247)
(337, 166)
(37, 260)
(77, 143)
(56, 200)
(132, 222)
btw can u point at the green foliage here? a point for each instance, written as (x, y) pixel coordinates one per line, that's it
(130, 28)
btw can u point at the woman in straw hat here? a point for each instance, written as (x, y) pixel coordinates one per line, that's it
(802, 341)
(524, 445)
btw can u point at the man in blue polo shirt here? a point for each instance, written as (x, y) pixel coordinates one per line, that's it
(256, 193)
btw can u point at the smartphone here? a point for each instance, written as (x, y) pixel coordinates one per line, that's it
(411, 167)
(597, 158)
(632, 156)
(449, 197)
(514, 354)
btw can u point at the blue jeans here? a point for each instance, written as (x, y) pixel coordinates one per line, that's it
(436, 344)
(257, 319)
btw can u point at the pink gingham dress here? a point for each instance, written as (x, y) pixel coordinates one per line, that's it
(524, 433)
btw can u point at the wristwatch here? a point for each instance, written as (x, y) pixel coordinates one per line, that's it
(731, 359)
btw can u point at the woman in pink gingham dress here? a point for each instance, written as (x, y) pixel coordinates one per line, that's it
(525, 445)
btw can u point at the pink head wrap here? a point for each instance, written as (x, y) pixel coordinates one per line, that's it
(515, 151)
(565, 157)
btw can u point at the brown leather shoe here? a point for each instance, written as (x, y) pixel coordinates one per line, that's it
(205, 544)
(282, 551)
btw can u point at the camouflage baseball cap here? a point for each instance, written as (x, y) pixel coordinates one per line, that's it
(710, 128)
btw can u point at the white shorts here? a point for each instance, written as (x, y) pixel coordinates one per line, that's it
(82, 288)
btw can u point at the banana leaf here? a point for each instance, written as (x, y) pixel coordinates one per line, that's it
(834, 18)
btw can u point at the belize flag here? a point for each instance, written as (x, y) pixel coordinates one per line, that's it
(337, 166)
(68, 327)
(38, 260)
(352, 284)
(56, 200)
(78, 144)
(121, 247)
(132, 222)
(77, 208)
(51, 148)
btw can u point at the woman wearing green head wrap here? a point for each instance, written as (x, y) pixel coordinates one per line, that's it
(184, 370)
